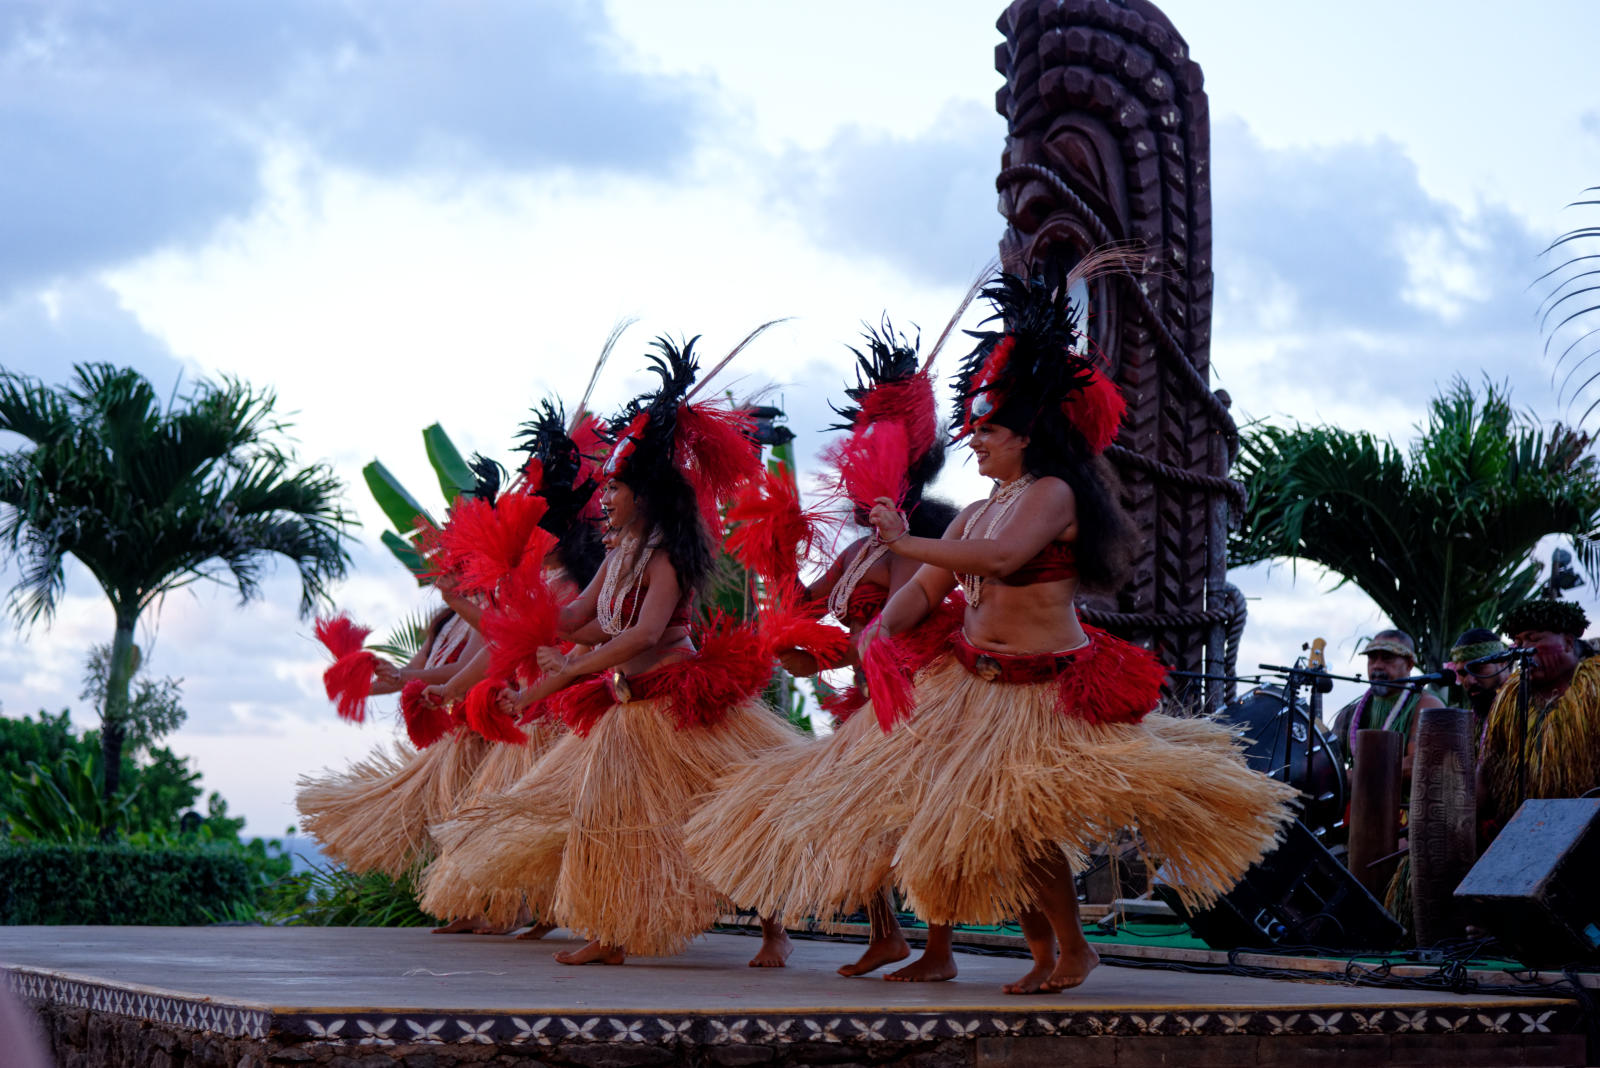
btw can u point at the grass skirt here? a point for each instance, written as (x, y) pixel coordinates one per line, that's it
(596, 826)
(777, 833)
(449, 893)
(993, 775)
(374, 815)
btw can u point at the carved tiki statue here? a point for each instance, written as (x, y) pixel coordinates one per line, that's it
(1108, 141)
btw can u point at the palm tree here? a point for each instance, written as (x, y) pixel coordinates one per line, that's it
(151, 498)
(1441, 539)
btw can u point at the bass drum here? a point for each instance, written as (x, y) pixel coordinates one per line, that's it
(1262, 719)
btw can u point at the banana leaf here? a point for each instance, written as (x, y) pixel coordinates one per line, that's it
(455, 477)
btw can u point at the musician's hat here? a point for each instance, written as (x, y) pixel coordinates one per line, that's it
(1393, 642)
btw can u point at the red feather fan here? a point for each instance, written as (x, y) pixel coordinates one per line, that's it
(1117, 682)
(774, 534)
(885, 667)
(872, 463)
(341, 635)
(783, 626)
(426, 719)
(717, 449)
(348, 681)
(482, 544)
(523, 619)
(890, 665)
(1097, 411)
(484, 716)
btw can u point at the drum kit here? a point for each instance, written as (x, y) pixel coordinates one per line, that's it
(1283, 736)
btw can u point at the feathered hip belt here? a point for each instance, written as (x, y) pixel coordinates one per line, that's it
(1106, 680)
(730, 667)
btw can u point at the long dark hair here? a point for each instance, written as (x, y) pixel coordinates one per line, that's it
(930, 517)
(672, 512)
(1104, 549)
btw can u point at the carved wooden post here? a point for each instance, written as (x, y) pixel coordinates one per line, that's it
(1375, 808)
(1109, 140)
(1443, 813)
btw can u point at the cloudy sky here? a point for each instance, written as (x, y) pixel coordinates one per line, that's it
(400, 213)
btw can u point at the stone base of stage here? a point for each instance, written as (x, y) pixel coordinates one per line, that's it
(364, 998)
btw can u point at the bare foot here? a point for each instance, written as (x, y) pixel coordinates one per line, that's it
(461, 925)
(774, 951)
(879, 952)
(1071, 970)
(1033, 982)
(536, 932)
(928, 968)
(593, 953)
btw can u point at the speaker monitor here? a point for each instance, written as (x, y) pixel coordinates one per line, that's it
(1535, 887)
(1299, 894)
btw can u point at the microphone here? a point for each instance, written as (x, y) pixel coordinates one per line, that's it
(1499, 658)
(1442, 677)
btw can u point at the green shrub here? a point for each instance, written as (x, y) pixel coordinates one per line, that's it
(119, 883)
(336, 897)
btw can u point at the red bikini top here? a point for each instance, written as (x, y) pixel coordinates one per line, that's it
(1053, 563)
(866, 601)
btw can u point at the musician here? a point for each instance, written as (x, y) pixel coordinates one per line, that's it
(1479, 682)
(1553, 748)
(1391, 656)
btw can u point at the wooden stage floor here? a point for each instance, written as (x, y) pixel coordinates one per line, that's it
(316, 995)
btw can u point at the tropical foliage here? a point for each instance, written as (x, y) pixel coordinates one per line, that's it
(49, 787)
(336, 897)
(1440, 536)
(1569, 314)
(403, 509)
(151, 497)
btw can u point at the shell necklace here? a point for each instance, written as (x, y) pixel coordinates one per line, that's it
(615, 590)
(870, 554)
(1005, 495)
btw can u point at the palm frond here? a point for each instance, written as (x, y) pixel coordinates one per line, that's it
(1439, 537)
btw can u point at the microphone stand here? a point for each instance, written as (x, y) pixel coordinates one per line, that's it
(1523, 658)
(1294, 678)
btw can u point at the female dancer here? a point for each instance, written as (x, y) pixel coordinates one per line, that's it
(597, 824)
(560, 475)
(1032, 741)
(753, 837)
(375, 815)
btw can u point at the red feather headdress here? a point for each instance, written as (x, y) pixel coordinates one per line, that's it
(893, 447)
(1032, 369)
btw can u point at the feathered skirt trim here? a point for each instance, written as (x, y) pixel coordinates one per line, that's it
(596, 827)
(993, 776)
(374, 815)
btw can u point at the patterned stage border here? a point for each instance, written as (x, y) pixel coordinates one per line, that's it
(414, 1027)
